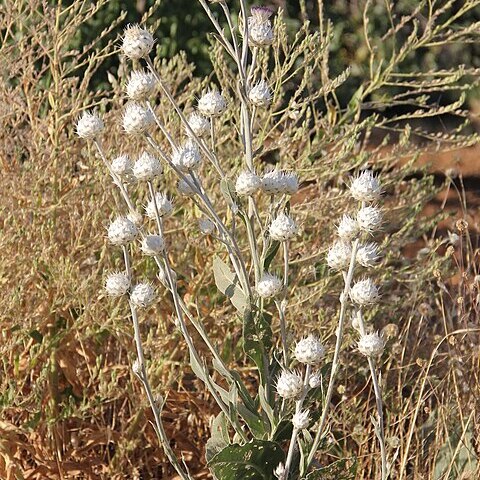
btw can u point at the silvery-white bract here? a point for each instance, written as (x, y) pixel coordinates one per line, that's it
(163, 203)
(269, 285)
(371, 345)
(122, 166)
(309, 350)
(339, 255)
(364, 292)
(365, 187)
(212, 104)
(283, 228)
(369, 218)
(117, 284)
(89, 125)
(142, 295)
(147, 167)
(348, 228)
(137, 119)
(141, 85)
(199, 124)
(153, 245)
(301, 420)
(367, 254)
(260, 95)
(137, 42)
(289, 384)
(122, 231)
(247, 183)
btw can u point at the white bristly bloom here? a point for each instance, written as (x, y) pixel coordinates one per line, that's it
(289, 384)
(279, 471)
(278, 182)
(367, 254)
(137, 42)
(147, 167)
(315, 380)
(339, 255)
(364, 292)
(348, 228)
(365, 187)
(269, 285)
(260, 95)
(117, 284)
(122, 231)
(122, 166)
(89, 125)
(212, 104)
(301, 420)
(153, 245)
(309, 350)
(185, 189)
(260, 29)
(142, 295)
(369, 218)
(164, 206)
(283, 228)
(199, 124)
(371, 345)
(248, 183)
(206, 226)
(187, 157)
(137, 119)
(141, 85)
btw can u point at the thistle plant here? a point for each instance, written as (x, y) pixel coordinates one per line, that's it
(276, 427)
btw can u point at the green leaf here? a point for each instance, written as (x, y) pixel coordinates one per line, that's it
(227, 188)
(219, 439)
(255, 460)
(270, 255)
(227, 282)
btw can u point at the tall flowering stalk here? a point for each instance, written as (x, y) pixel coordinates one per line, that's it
(257, 282)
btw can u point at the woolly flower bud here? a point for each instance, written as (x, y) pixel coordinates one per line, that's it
(279, 471)
(199, 124)
(289, 384)
(122, 231)
(137, 119)
(206, 226)
(147, 167)
(117, 284)
(260, 95)
(212, 104)
(153, 245)
(365, 187)
(247, 183)
(136, 218)
(301, 420)
(364, 292)
(367, 255)
(89, 125)
(371, 345)
(185, 189)
(309, 350)
(339, 255)
(269, 285)
(276, 182)
(187, 157)
(121, 166)
(141, 85)
(369, 218)
(348, 228)
(259, 27)
(283, 228)
(164, 206)
(137, 367)
(142, 295)
(315, 380)
(137, 42)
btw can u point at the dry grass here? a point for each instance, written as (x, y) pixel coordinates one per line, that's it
(70, 406)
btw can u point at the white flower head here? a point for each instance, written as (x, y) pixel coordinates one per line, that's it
(185, 189)
(315, 380)
(187, 157)
(135, 217)
(283, 228)
(309, 350)
(153, 245)
(260, 94)
(278, 182)
(364, 292)
(365, 187)
(117, 284)
(369, 218)
(348, 228)
(137, 119)
(367, 254)
(290, 183)
(141, 85)
(147, 167)
(199, 124)
(122, 166)
(142, 295)
(248, 183)
(289, 384)
(137, 42)
(212, 103)
(301, 420)
(371, 345)
(206, 226)
(163, 203)
(279, 471)
(260, 29)
(269, 286)
(89, 125)
(122, 231)
(339, 255)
